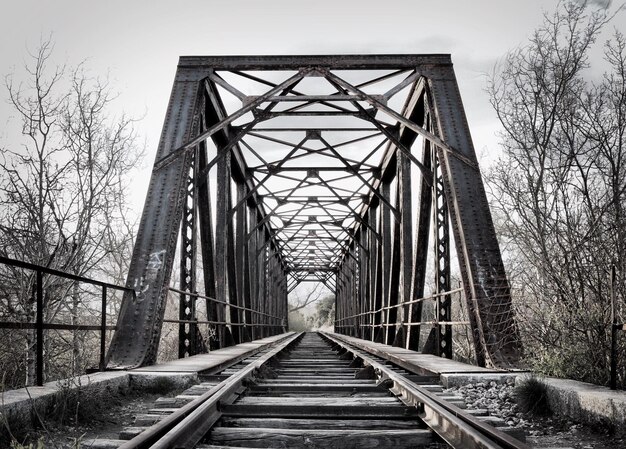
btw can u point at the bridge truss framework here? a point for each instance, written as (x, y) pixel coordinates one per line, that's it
(332, 169)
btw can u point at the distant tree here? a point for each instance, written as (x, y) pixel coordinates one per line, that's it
(298, 322)
(324, 316)
(62, 191)
(297, 302)
(560, 186)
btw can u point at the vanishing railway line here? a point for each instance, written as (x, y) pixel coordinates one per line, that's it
(312, 390)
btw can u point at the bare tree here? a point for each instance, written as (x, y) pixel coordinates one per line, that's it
(558, 189)
(63, 190)
(313, 295)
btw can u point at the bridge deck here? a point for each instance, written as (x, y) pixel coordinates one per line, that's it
(417, 362)
(213, 360)
(451, 373)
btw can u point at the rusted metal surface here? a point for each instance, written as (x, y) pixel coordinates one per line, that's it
(314, 163)
(484, 278)
(136, 341)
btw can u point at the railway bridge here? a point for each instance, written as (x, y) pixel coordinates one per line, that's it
(357, 172)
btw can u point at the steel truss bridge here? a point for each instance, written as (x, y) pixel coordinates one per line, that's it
(277, 170)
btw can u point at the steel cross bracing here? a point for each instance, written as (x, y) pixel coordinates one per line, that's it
(291, 169)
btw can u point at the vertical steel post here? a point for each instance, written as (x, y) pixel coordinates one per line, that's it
(338, 324)
(269, 289)
(614, 328)
(406, 244)
(442, 264)
(39, 331)
(221, 242)
(253, 273)
(358, 291)
(387, 245)
(394, 280)
(103, 329)
(240, 259)
(375, 296)
(263, 281)
(187, 332)
(248, 275)
(214, 311)
(422, 234)
(353, 290)
(232, 268)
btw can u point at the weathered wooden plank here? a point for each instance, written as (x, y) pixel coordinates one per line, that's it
(321, 394)
(312, 387)
(325, 379)
(321, 402)
(146, 419)
(128, 433)
(101, 443)
(311, 411)
(318, 370)
(219, 446)
(298, 380)
(329, 424)
(295, 438)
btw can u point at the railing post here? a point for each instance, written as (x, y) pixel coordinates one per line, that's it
(103, 328)
(614, 328)
(39, 331)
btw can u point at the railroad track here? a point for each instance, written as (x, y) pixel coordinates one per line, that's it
(314, 390)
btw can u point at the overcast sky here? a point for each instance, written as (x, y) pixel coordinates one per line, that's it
(139, 42)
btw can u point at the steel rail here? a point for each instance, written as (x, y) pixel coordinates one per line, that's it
(185, 427)
(456, 427)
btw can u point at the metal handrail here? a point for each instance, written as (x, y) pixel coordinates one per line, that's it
(226, 303)
(39, 324)
(406, 303)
